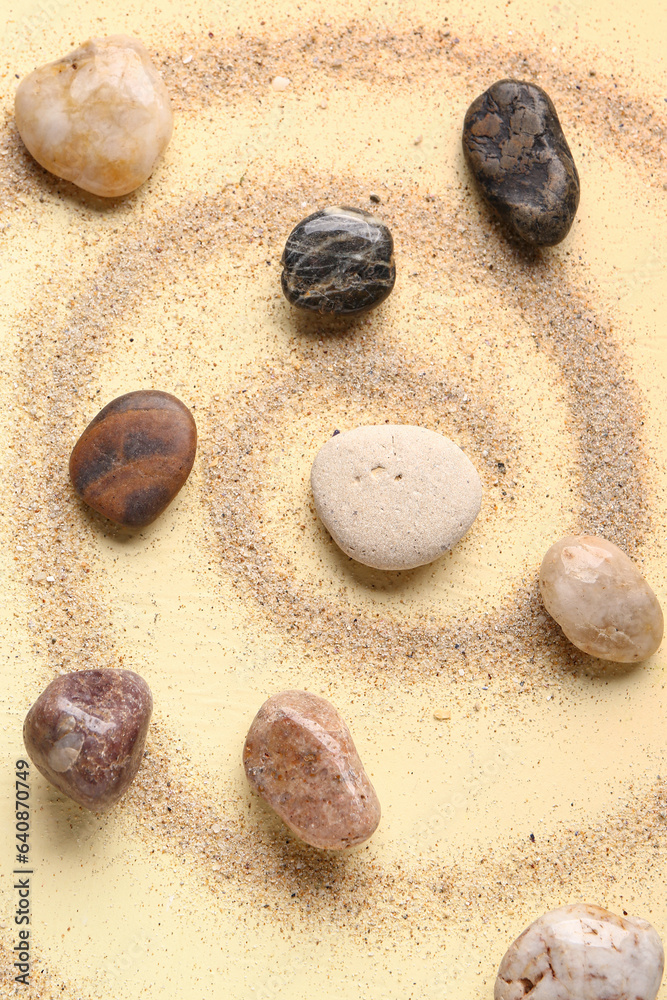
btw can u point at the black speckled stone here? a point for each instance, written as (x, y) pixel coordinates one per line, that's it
(338, 260)
(86, 734)
(515, 147)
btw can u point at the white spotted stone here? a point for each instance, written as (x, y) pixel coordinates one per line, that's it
(395, 496)
(582, 952)
(99, 117)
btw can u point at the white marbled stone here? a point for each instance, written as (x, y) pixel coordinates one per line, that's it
(582, 952)
(99, 117)
(395, 496)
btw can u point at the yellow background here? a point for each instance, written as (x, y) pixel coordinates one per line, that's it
(190, 887)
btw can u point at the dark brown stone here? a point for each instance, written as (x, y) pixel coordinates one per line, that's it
(300, 757)
(86, 734)
(133, 458)
(514, 145)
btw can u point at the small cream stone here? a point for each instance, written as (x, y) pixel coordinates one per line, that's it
(280, 83)
(600, 599)
(99, 117)
(582, 952)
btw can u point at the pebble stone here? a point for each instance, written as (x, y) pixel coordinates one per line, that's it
(299, 756)
(86, 734)
(394, 496)
(516, 150)
(582, 952)
(99, 117)
(133, 458)
(338, 260)
(600, 599)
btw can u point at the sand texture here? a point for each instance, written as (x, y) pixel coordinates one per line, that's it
(516, 775)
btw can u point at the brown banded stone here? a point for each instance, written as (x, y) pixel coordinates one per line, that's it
(600, 599)
(515, 147)
(299, 756)
(86, 734)
(133, 458)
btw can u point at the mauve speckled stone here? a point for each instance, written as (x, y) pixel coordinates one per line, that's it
(300, 757)
(86, 734)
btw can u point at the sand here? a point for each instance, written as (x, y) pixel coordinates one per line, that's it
(515, 774)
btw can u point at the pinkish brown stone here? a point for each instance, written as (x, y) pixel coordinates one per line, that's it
(300, 757)
(86, 734)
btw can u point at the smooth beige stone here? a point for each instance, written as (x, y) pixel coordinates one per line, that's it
(300, 757)
(394, 496)
(99, 117)
(600, 599)
(582, 952)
